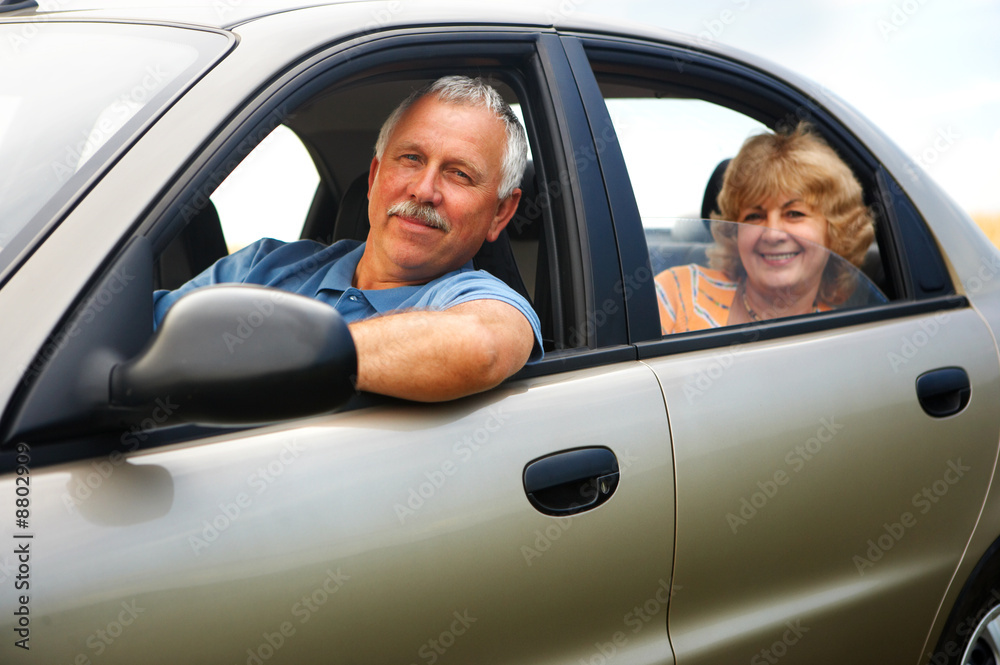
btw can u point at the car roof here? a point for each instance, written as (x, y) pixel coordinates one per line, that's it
(227, 14)
(561, 15)
(221, 14)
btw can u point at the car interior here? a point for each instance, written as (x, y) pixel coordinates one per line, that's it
(341, 146)
(339, 126)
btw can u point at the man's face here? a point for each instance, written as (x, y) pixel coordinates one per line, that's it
(444, 162)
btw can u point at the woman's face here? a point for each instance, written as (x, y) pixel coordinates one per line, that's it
(780, 242)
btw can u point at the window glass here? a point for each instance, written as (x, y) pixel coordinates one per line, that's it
(677, 150)
(671, 147)
(730, 273)
(71, 95)
(269, 193)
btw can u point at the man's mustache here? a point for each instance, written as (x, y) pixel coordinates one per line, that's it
(426, 214)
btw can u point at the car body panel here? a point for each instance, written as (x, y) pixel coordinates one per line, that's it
(811, 445)
(234, 535)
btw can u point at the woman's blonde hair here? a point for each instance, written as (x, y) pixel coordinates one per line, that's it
(796, 162)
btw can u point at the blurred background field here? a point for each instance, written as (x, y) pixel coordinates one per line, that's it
(990, 224)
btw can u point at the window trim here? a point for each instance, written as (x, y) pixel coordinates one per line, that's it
(726, 336)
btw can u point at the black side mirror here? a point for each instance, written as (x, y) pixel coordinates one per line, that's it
(224, 355)
(242, 354)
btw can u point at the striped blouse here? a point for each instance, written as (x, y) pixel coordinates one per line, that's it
(693, 298)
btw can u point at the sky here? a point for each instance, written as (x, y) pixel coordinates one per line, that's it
(918, 69)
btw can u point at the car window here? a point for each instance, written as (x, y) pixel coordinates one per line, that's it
(269, 193)
(677, 143)
(308, 180)
(110, 80)
(671, 148)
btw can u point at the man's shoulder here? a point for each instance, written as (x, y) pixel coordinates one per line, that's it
(467, 285)
(459, 284)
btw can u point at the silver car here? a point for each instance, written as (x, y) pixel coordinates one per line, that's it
(816, 489)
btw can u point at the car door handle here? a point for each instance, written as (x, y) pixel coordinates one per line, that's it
(571, 481)
(944, 392)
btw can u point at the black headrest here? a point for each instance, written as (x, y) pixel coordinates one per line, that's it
(526, 224)
(352, 214)
(200, 244)
(710, 203)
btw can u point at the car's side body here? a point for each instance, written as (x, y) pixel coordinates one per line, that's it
(773, 480)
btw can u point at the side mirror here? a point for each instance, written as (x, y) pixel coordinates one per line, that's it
(231, 355)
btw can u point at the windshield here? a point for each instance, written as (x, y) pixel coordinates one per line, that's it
(71, 96)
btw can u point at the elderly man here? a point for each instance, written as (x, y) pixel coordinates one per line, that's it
(427, 326)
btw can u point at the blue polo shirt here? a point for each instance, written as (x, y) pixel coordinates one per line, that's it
(325, 273)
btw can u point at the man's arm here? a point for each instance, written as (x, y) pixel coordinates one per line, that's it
(438, 355)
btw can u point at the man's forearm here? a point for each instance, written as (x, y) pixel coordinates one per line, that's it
(439, 355)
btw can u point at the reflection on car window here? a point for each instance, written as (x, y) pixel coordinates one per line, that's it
(711, 274)
(114, 78)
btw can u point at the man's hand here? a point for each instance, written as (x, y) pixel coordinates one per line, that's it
(430, 356)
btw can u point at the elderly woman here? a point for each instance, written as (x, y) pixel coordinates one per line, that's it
(794, 199)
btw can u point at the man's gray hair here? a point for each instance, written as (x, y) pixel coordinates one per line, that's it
(471, 92)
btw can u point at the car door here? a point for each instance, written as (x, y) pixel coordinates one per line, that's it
(532, 523)
(822, 504)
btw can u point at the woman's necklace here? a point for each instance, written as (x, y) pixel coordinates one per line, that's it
(746, 304)
(753, 315)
